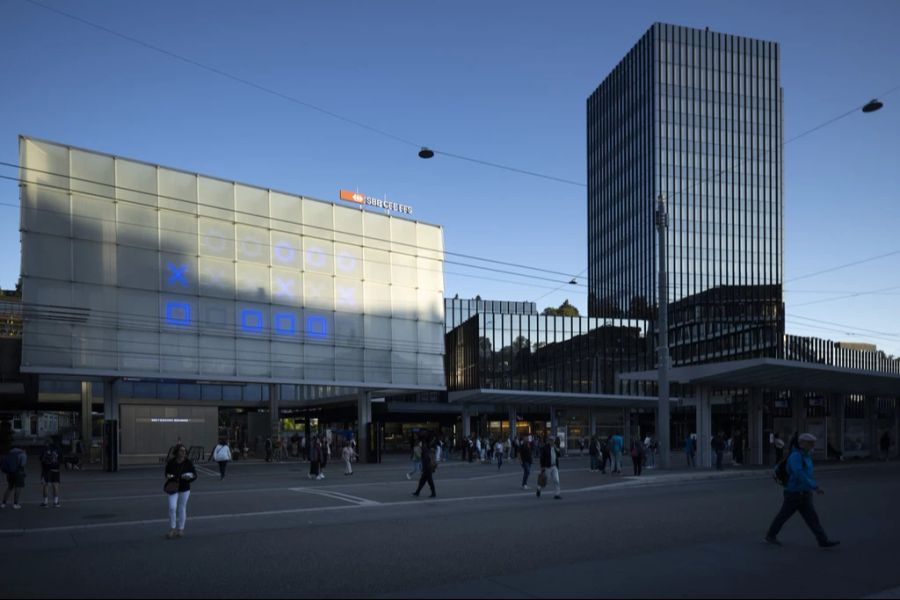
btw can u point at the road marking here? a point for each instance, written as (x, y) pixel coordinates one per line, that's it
(207, 471)
(357, 500)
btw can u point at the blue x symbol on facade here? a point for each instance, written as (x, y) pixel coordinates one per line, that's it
(177, 274)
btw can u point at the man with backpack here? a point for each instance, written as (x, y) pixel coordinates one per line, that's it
(50, 473)
(13, 466)
(796, 475)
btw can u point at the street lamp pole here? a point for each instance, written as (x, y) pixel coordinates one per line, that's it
(662, 409)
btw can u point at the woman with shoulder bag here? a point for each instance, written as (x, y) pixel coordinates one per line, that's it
(222, 454)
(179, 474)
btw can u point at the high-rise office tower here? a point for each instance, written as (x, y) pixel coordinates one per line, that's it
(694, 115)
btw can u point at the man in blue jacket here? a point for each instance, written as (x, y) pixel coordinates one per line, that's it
(798, 494)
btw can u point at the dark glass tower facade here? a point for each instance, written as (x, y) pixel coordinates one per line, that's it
(697, 116)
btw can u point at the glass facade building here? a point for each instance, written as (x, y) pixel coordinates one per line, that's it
(696, 116)
(542, 353)
(459, 310)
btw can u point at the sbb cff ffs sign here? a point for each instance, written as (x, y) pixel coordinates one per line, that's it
(351, 196)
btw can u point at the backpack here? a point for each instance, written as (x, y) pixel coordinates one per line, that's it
(50, 458)
(10, 464)
(781, 473)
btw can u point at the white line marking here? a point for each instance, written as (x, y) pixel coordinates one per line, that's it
(207, 471)
(335, 495)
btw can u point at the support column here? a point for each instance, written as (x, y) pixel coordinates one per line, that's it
(798, 412)
(872, 426)
(274, 422)
(592, 419)
(840, 410)
(110, 426)
(512, 422)
(704, 428)
(553, 421)
(87, 431)
(755, 426)
(363, 419)
(466, 422)
(626, 431)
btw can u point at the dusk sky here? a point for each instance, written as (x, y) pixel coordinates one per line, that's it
(504, 82)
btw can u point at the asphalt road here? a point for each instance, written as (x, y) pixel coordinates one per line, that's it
(267, 530)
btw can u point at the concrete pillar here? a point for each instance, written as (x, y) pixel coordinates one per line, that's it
(592, 420)
(87, 431)
(466, 422)
(512, 422)
(798, 412)
(704, 428)
(626, 430)
(274, 422)
(872, 425)
(553, 421)
(363, 419)
(755, 427)
(111, 416)
(836, 407)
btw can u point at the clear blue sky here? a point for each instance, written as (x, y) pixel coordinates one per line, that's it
(501, 81)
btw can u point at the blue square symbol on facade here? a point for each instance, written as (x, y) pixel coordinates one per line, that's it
(252, 320)
(178, 313)
(285, 323)
(316, 326)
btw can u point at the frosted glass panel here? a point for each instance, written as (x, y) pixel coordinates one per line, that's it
(318, 362)
(287, 287)
(253, 244)
(94, 262)
(178, 232)
(136, 183)
(377, 299)
(251, 205)
(348, 295)
(318, 256)
(403, 270)
(92, 173)
(286, 212)
(178, 273)
(177, 191)
(137, 268)
(318, 291)
(216, 198)
(138, 226)
(377, 265)
(216, 277)
(403, 302)
(378, 365)
(93, 218)
(378, 332)
(253, 357)
(318, 219)
(348, 224)
(348, 364)
(216, 238)
(286, 250)
(404, 367)
(377, 231)
(48, 257)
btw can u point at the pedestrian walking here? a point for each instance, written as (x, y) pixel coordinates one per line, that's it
(778, 444)
(737, 447)
(315, 459)
(594, 452)
(498, 452)
(718, 446)
(605, 454)
(347, 454)
(222, 455)
(428, 468)
(649, 456)
(50, 474)
(325, 456)
(416, 460)
(525, 461)
(269, 447)
(179, 474)
(637, 456)
(549, 467)
(798, 494)
(617, 445)
(690, 449)
(885, 445)
(13, 466)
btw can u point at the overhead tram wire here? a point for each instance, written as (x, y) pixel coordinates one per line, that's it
(288, 97)
(264, 244)
(431, 149)
(118, 188)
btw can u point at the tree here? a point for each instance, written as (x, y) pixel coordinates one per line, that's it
(563, 310)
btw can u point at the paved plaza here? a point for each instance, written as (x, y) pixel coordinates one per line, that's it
(268, 530)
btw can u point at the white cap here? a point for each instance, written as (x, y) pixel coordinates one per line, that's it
(807, 437)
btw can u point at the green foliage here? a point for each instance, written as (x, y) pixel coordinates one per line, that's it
(563, 310)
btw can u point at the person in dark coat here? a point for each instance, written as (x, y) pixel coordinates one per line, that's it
(428, 467)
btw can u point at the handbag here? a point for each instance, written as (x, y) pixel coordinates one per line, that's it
(171, 486)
